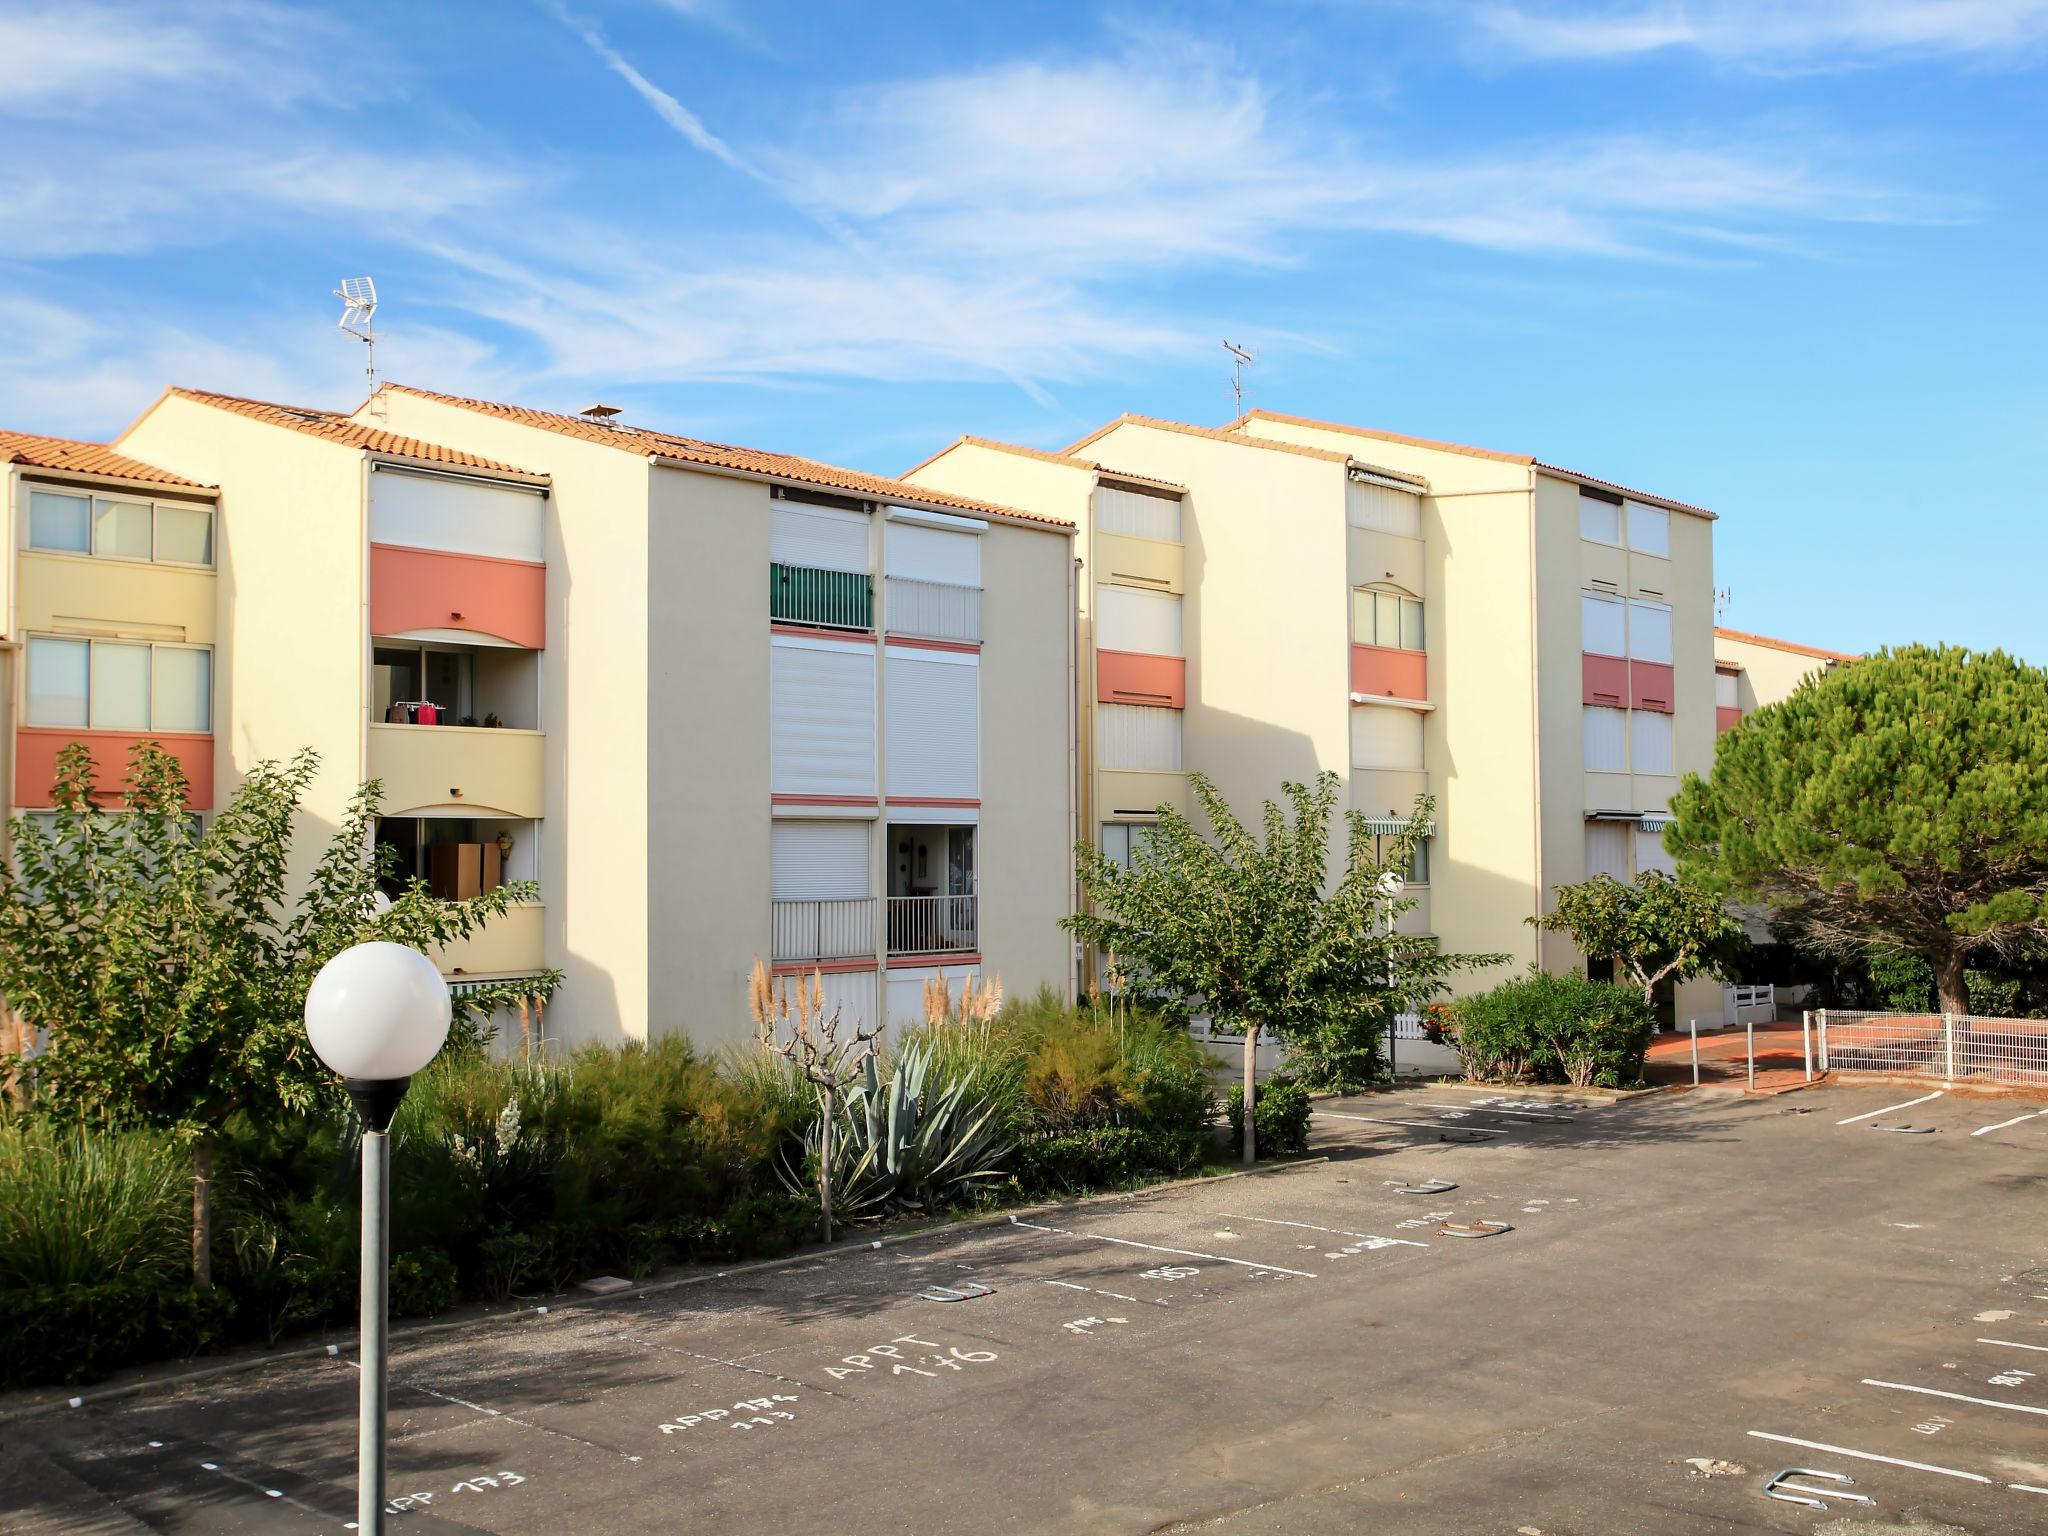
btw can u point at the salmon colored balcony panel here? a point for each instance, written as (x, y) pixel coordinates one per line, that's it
(1725, 719)
(1606, 679)
(35, 761)
(1130, 677)
(1650, 686)
(415, 589)
(1389, 674)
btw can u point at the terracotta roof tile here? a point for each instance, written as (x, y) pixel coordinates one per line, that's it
(1793, 646)
(1470, 452)
(1068, 460)
(689, 450)
(62, 453)
(339, 429)
(1246, 440)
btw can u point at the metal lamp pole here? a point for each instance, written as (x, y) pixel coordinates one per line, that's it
(1390, 888)
(377, 1013)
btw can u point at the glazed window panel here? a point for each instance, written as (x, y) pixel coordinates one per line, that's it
(59, 522)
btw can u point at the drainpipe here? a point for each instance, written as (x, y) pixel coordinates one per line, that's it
(1074, 793)
(1536, 717)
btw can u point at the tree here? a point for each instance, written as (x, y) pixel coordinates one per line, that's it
(1657, 927)
(1898, 803)
(167, 966)
(1255, 932)
(821, 1058)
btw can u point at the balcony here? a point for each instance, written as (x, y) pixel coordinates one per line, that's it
(826, 599)
(1389, 673)
(506, 946)
(458, 770)
(933, 925)
(35, 763)
(933, 610)
(437, 593)
(823, 930)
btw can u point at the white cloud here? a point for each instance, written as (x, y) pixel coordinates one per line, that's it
(1770, 33)
(77, 57)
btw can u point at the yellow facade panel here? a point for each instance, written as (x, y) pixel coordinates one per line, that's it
(1602, 567)
(1150, 563)
(1377, 558)
(1610, 792)
(1121, 794)
(1649, 576)
(81, 594)
(453, 770)
(508, 946)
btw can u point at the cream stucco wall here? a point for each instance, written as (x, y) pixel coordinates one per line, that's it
(1566, 791)
(1024, 872)
(1769, 672)
(290, 546)
(595, 851)
(130, 598)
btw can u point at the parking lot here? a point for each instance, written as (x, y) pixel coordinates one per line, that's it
(1837, 1279)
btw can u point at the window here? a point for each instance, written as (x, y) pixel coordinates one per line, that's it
(1606, 740)
(121, 527)
(1607, 849)
(1382, 737)
(1599, 519)
(1138, 737)
(1386, 618)
(1649, 529)
(113, 685)
(1649, 631)
(1725, 694)
(1650, 741)
(406, 676)
(1122, 841)
(1133, 619)
(1137, 514)
(59, 522)
(821, 718)
(1383, 509)
(1603, 624)
(1418, 863)
(1650, 853)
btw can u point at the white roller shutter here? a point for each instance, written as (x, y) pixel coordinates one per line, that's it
(1138, 737)
(851, 994)
(1650, 741)
(1650, 853)
(1137, 515)
(1607, 849)
(820, 860)
(464, 517)
(1383, 508)
(932, 554)
(932, 744)
(1725, 693)
(1385, 738)
(1603, 625)
(1599, 520)
(1606, 740)
(821, 732)
(1649, 631)
(819, 538)
(1649, 529)
(1132, 619)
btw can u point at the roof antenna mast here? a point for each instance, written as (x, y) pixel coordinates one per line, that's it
(1723, 596)
(358, 297)
(1240, 359)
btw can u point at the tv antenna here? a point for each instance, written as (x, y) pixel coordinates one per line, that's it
(1240, 359)
(358, 297)
(1723, 596)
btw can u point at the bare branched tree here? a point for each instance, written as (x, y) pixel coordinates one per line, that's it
(790, 1021)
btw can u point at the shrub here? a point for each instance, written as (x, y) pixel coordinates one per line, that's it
(1109, 1156)
(1281, 1117)
(1548, 1027)
(83, 1207)
(422, 1283)
(78, 1333)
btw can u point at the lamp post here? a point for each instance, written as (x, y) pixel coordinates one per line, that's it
(376, 1014)
(1390, 887)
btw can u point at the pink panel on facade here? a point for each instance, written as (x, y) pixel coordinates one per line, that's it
(1725, 719)
(1131, 677)
(35, 761)
(1388, 673)
(1606, 681)
(1650, 686)
(431, 589)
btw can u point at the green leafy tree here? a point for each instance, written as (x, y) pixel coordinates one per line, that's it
(167, 966)
(1897, 804)
(1657, 927)
(1257, 931)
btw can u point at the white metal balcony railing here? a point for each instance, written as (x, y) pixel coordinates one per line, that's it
(823, 930)
(932, 925)
(932, 610)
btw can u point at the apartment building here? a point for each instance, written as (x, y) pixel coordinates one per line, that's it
(719, 704)
(1530, 645)
(1751, 671)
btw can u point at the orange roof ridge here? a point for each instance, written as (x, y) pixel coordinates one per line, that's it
(32, 450)
(1245, 440)
(338, 429)
(655, 444)
(1783, 645)
(1050, 456)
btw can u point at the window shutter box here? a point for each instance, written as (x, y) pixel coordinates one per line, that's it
(820, 538)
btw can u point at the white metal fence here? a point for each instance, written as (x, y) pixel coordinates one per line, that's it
(932, 610)
(931, 925)
(1950, 1046)
(823, 930)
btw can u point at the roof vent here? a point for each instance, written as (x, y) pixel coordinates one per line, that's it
(600, 414)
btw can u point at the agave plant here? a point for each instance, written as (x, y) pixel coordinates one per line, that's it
(907, 1143)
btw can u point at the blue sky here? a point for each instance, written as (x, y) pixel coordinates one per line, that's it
(1782, 260)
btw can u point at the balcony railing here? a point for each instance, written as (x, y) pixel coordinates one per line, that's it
(932, 925)
(933, 610)
(797, 594)
(823, 930)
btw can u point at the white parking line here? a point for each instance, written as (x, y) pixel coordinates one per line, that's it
(1986, 1130)
(1309, 1226)
(1890, 1461)
(1958, 1397)
(1874, 1113)
(1426, 1125)
(2014, 1344)
(1525, 1114)
(1185, 1253)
